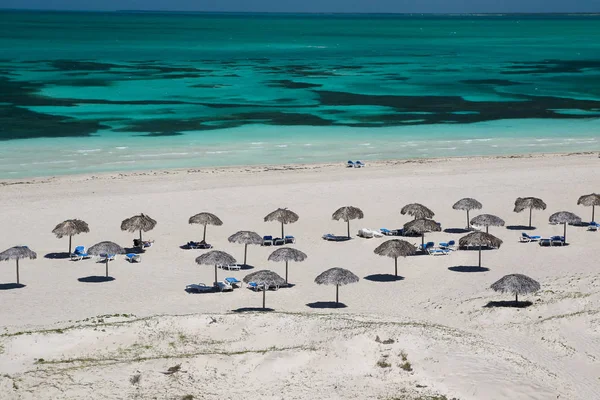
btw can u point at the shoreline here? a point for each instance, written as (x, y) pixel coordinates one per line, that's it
(245, 169)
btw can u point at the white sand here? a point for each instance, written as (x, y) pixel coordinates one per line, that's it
(456, 346)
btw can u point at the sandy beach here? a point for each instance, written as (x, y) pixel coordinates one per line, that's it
(426, 336)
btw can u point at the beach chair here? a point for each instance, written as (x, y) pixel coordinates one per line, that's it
(437, 252)
(558, 240)
(234, 282)
(359, 164)
(267, 240)
(290, 239)
(133, 258)
(79, 254)
(385, 232)
(525, 238)
(350, 164)
(223, 286)
(593, 226)
(107, 257)
(427, 246)
(278, 242)
(198, 245)
(333, 238)
(255, 286)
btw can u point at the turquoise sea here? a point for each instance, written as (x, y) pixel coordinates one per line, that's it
(96, 92)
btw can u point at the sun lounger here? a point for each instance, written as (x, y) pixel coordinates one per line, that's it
(223, 286)
(450, 245)
(437, 252)
(198, 245)
(267, 240)
(255, 286)
(525, 238)
(359, 164)
(553, 241)
(385, 232)
(107, 257)
(132, 257)
(79, 254)
(290, 239)
(234, 282)
(278, 242)
(229, 267)
(593, 226)
(334, 238)
(142, 243)
(351, 164)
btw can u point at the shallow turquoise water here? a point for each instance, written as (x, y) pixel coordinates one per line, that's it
(84, 93)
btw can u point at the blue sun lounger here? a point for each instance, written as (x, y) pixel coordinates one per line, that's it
(351, 164)
(79, 254)
(525, 238)
(359, 164)
(334, 238)
(233, 282)
(133, 258)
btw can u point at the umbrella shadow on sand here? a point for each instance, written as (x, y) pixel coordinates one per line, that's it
(252, 309)
(383, 278)
(96, 279)
(520, 228)
(468, 268)
(456, 230)
(57, 256)
(326, 304)
(10, 286)
(510, 304)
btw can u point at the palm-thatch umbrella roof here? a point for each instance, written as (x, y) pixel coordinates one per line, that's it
(590, 200)
(70, 228)
(346, 214)
(467, 204)
(205, 218)
(18, 253)
(564, 217)
(338, 277)
(480, 239)
(421, 226)
(529, 203)
(287, 254)
(487, 220)
(284, 216)
(395, 248)
(246, 238)
(516, 284)
(215, 257)
(416, 210)
(105, 249)
(141, 223)
(266, 279)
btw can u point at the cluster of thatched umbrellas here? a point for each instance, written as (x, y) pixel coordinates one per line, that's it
(422, 223)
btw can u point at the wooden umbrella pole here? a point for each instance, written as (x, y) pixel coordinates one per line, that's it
(140, 236)
(282, 232)
(530, 212)
(286, 272)
(70, 237)
(245, 253)
(107, 265)
(264, 296)
(396, 265)
(18, 271)
(479, 256)
(204, 235)
(215, 275)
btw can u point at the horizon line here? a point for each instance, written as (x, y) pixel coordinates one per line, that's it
(125, 11)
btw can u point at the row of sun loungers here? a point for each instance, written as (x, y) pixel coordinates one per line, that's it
(80, 254)
(551, 241)
(271, 241)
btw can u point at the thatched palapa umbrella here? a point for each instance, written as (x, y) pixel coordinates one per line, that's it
(18, 253)
(346, 214)
(140, 223)
(467, 204)
(487, 220)
(246, 238)
(70, 228)
(590, 200)
(215, 258)
(524, 203)
(516, 284)
(564, 217)
(418, 211)
(205, 218)
(421, 226)
(287, 254)
(284, 216)
(338, 277)
(266, 279)
(395, 248)
(480, 239)
(105, 249)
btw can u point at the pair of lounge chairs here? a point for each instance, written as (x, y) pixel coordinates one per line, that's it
(430, 249)
(79, 254)
(334, 238)
(234, 282)
(271, 241)
(261, 286)
(393, 232)
(357, 164)
(142, 244)
(369, 233)
(198, 245)
(553, 241)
